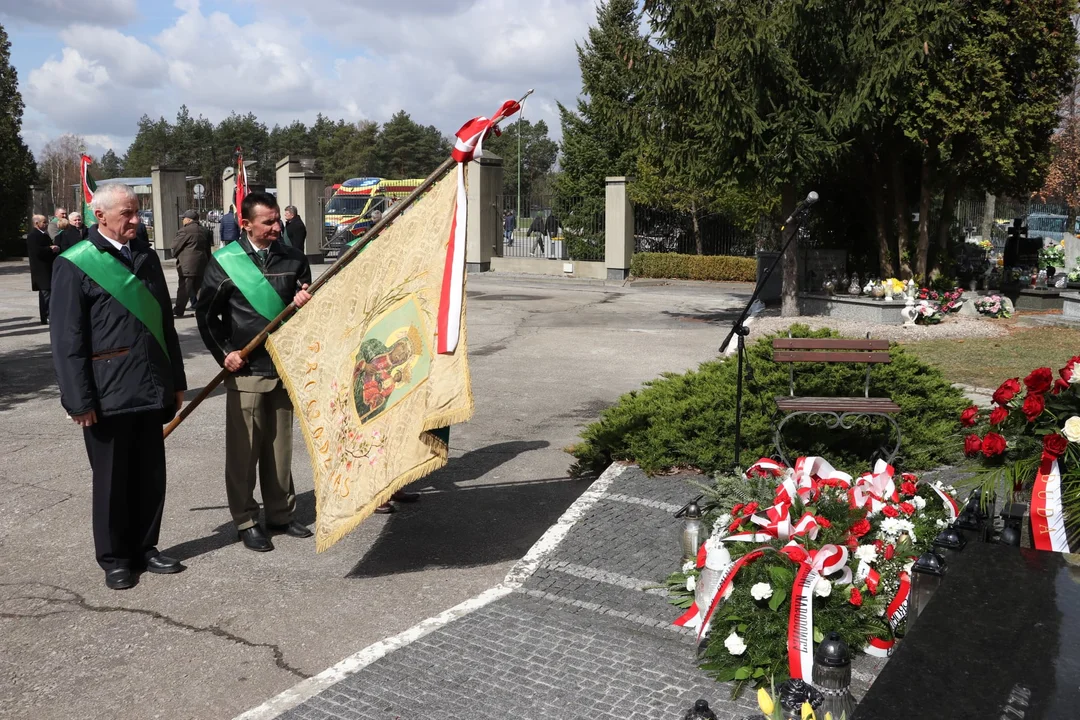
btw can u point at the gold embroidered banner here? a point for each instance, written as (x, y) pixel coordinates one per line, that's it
(360, 366)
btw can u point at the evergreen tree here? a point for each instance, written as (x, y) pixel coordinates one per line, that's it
(150, 147)
(538, 153)
(108, 166)
(405, 149)
(18, 171)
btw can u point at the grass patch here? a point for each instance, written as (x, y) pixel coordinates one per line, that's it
(987, 362)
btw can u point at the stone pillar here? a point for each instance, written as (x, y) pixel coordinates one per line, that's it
(169, 194)
(305, 192)
(285, 167)
(484, 179)
(618, 228)
(228, 189)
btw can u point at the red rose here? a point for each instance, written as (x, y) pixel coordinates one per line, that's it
(967, 418)
(908, 488)
(1034, 405)
(735, 510)
(824, 522)
(1066, 372)
(1039, 380)
(856, 597)
(1007, 391)
(750, 508)
(1060, 386)
(972, 445)
(998, 415)
(890, 511)
(1054, 444)
(993, 445)
(907, 507)
(860, 528)
(890, 551)
(878, 545)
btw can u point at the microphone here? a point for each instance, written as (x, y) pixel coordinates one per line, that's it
(803, 205)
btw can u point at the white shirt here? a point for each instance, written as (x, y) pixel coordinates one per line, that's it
(118, 245)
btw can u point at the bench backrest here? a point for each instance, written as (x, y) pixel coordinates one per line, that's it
(838, 350)
(830, 350)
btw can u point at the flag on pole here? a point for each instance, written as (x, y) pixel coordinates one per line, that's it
(89, 187)
(241, 179)
(360, 364)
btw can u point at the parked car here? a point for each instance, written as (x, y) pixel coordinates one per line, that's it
(147, 217)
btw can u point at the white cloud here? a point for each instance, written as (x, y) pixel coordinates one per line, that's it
(443, 61)
(60, 13)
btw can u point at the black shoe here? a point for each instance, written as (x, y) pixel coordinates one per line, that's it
(254, 539)
(406, 497)
(178, 315)
(293, 529)
(119, 579)
(163, 565)
(385, 509)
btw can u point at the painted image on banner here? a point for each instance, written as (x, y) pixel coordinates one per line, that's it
(391, 361)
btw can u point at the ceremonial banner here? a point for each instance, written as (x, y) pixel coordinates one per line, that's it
(360, 365)
(89, 187)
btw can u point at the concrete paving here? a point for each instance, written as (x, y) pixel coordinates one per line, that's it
(237, 627)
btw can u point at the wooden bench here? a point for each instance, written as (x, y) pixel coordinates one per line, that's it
(835, 412)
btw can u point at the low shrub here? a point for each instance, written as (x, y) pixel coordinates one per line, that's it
(694, 267)
(688, 420)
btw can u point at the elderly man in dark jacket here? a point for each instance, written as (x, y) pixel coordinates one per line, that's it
(121, 375)
(41, 252)
(247, 284)
(191, 250)
(230, 228)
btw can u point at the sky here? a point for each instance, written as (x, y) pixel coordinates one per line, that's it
(94, 67)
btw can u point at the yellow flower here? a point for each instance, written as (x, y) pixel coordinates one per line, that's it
(765, 702)
(808, 712)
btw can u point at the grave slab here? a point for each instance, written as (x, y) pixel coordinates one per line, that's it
(849, 307)
(1038, 299)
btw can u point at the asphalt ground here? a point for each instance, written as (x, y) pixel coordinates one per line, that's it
(238, 627)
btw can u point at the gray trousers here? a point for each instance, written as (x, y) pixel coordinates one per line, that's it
(258, 433)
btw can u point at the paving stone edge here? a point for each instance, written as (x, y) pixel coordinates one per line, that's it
(518, 574)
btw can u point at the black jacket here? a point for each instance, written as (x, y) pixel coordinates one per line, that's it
(105, 358)
(551, 225)
(41, 256)
(69, 236)
(226, 319)
(191, 249)
(297, 233)
(230, 228)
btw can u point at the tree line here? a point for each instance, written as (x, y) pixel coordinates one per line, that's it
(891, 109)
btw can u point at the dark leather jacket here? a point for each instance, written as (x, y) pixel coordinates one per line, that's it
(105, 358)
(228, 322)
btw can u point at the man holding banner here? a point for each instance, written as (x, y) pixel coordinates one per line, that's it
(247, 284)
(121, 375)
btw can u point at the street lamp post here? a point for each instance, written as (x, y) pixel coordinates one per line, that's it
(517, 218)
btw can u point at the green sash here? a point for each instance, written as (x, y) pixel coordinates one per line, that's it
(116, 278)
(249, 280)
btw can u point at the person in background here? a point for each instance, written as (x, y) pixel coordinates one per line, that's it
(54, 229)
(551, 231)
(230, 230)
(191, 249)
(77, 223)
(508, 227)
(537, 228)
(294, 228)
(42, 253)
(69, 233)
(121, 375)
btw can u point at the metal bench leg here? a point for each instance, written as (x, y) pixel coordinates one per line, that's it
(835, 421)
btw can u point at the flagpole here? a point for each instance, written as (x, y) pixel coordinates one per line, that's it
(333, 270)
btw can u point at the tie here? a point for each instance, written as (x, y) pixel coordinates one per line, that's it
(126, 252)
(262, 256)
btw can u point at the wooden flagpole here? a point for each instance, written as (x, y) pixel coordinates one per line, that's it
(395, 210)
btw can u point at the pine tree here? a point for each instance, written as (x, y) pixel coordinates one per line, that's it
(405, 149)
(538, 153)
(108, 166)
(18, 170)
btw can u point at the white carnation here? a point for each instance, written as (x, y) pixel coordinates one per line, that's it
(823, 588)
(734, 644)
(688, 566)
(761, 591)
(691, 583)
(941, 523)
(867, 553)
(918, 502)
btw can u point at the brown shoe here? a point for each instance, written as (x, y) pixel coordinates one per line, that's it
(384, 509)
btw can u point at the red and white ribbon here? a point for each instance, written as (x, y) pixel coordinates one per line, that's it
(1047, 515)
(727, 577)
(468, 145)
(874, 490)
(776, 524)
(895, 614)
(84, 165)
(952, 508)
(828, 561)
(766, 468)
(866, 573)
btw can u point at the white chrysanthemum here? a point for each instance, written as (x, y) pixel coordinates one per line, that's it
(941, 523)
(823, 588)
(735, 644)
(866, 553)
(761, 591)
(691, 583)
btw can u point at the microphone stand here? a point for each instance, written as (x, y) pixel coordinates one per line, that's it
(740, 331)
